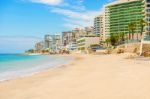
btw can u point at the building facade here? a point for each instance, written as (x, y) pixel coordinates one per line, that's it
(88, 31)
(71, 36)
(98, 25)
(39, 47)
(147, 15)
(84, 43)
(119, 14)
(53, 42)
(57, 43)
(67, 37)
(71, 46)
(47, 41)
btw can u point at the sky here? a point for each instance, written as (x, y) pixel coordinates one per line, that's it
(24, 22)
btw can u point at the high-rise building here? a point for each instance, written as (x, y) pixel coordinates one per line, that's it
(119, 14)
(47, 42)
(88, 30)
(57, 43)
(147, 15)
(98, 25)
(72, 36)
(67, 37)
(78, 32)
(39, 47)
(53, 42)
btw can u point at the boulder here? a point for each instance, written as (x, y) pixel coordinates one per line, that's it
(146, 54)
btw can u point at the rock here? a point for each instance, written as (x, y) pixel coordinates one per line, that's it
(146, 54)
(120, 50)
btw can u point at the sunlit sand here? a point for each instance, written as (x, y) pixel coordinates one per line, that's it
(88, 77)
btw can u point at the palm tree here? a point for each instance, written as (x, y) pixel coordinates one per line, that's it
(122, 36)
(142, 25)
(114, 38)
(107, 41)
(131, 27)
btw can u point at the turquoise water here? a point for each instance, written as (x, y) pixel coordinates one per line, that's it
(15, 57)
(14, 65)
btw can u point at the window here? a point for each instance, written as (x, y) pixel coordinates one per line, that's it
(148, 1)
(148, 5)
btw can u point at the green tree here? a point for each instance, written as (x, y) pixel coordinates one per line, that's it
(107, 41)
(31, 51)
(131, 27)
(142, 25)
(114, 38)
(122, 36)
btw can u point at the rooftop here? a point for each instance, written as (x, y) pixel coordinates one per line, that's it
(119, 2)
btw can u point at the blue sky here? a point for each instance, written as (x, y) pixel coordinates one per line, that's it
(24, 22)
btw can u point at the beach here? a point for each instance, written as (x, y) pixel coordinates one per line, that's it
(87, 77)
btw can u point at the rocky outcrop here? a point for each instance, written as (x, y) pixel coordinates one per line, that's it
(146, 50)
(127, 48)
(132, 48)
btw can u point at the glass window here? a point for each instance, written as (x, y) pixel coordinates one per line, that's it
(148, 1)
(148, 5)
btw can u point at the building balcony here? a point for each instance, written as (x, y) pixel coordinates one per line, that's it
(146, 38)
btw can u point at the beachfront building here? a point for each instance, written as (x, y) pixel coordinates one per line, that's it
(71, 46)
(39, 47)
(84, 43)
(120, 13)
(88, 31)
(53, 42)
(47, 42)
(67, 37)
(56, 43)
(71, 36)
(78, 32)
(147, 16)
(98, 25)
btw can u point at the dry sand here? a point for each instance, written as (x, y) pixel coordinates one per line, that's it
(88, 77)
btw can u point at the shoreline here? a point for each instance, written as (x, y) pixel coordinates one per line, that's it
(27, 72)
(86, 77)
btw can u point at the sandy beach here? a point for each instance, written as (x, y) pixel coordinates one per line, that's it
(87, 77)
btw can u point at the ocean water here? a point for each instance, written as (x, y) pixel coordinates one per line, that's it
(14, 65)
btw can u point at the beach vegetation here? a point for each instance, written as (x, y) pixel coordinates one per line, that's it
(45, 51)
(131, 27)
(30, 51)
(114, 38)
(142, 25)
(107, 41)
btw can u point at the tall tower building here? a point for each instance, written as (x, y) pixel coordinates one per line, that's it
(47, 41)
(120, 13)
(98, 25)
(147, 15)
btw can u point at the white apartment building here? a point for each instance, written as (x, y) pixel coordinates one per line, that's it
(85, 42)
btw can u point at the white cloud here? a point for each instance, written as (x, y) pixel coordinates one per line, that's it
(71, 13)
(74, 12)
(48, 2)
(75, 18)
